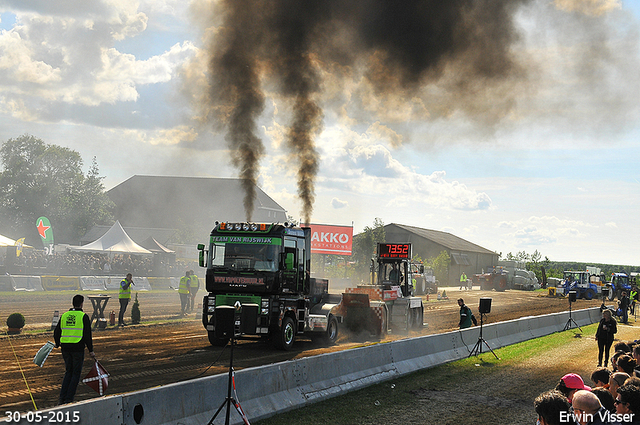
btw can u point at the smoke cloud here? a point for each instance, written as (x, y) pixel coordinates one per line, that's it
(293, 49)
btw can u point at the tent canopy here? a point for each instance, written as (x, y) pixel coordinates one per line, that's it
(115, 240)
(154, 246)
(5, 241)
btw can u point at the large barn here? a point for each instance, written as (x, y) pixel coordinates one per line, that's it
(186, 208)
(465, 256)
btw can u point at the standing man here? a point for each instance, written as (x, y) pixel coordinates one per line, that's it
(194, 285)
(183, 290)
(73, 333)
(124, 296)
(633, 296)
(463, 281)
(466, 316)
(624, 306)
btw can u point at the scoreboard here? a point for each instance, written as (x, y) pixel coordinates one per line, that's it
(401, 251)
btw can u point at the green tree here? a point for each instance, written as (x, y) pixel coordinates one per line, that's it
(364, 248)
(39, 179)
(440, 267)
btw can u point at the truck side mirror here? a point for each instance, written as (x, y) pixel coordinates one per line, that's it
(421, 269)
(201, 257)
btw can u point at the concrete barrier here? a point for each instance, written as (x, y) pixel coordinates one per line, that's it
(268, 390)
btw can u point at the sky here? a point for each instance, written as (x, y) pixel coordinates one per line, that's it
(544, 158)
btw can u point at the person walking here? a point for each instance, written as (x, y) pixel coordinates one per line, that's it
(124, 296)
(194, 286)
(183, 291)
(463, 281)
(72, 334)
(607, 328)
(466, 316)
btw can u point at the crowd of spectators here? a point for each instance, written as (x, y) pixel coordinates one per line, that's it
(75, 263)
(615, 399)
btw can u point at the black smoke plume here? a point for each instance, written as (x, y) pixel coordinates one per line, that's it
(289, 44)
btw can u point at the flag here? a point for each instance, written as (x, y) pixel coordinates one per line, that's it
(46, 233)
(97, 378)
(19, 245)
(43, 353)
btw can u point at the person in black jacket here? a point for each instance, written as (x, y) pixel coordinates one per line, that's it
(73, 333)
(624, 306)
(607, 328)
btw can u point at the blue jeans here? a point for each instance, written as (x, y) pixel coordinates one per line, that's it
(73, 368)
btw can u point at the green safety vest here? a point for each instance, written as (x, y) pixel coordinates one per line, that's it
(463, 278)
(633, 295)
(124, 293)
(183, 288)
(71, 324)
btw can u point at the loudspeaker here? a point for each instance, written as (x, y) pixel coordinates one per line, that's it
(605, 292)
(572, 296)
(485, 306)
(225, 321)
(249, 318)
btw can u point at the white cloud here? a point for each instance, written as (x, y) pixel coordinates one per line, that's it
(337, 203)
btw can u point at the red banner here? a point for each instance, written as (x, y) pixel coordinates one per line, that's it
(327, 239)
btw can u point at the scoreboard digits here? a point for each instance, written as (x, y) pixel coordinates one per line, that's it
(394, 250)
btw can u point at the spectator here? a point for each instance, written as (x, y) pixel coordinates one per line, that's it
(607, 328)
(626, 364)
(606, 399)
(600, 377)
(621, 346)
(587, 409)
(615, 381)
(552, 408)
(632, 380)
(628, 403)
(614, 360)
(569, 384)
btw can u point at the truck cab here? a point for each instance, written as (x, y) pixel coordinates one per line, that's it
(263, 272)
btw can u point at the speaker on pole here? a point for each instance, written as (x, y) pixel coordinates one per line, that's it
(572, 296)
(225, 321)
(485, 306)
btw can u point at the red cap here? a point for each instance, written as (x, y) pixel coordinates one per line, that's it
(575, 382)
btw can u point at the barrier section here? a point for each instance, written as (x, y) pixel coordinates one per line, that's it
(56, 283)
(160, 282)
(6, 283)
(93, 283)
(26, 283)
(268, 390)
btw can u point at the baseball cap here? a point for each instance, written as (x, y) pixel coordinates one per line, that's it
(575, 382)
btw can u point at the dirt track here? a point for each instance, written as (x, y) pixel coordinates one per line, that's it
(149, 355)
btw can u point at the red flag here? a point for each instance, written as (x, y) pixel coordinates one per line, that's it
(97, 378)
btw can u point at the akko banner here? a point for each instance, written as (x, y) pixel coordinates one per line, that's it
(328, 239)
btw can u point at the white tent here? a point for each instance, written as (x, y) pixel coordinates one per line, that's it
(5, 241)
(115, 240)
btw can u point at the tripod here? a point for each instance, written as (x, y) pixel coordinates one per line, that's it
(229, 399)
(570, 320)
(477, 349)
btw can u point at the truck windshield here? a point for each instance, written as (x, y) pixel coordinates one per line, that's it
(244, 257)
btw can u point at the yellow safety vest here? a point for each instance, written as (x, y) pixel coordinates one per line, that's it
(463, 278)
(71, 324)
(194, 283)
(183, 288)
(124, 293)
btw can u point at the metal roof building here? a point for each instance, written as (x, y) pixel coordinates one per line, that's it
(465, 256)
(161, 206)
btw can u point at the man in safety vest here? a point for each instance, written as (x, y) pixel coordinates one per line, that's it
(463, 281)
(124, 296)
(183, 290)
(194, 285)
(633, 297)
(72, 333)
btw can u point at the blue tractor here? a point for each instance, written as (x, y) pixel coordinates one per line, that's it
(621, 282)
(579, 282)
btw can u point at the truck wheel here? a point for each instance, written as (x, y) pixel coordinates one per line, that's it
(331, 334)
(216, 342)
(410, 318)
(285, 335)
(589, 294)
(612, 294)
